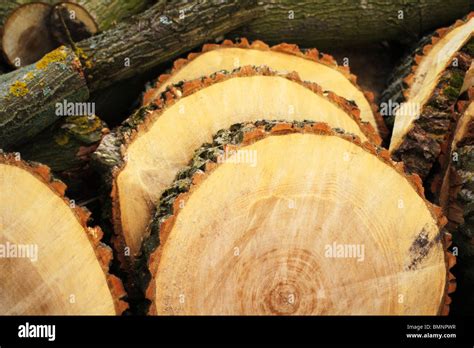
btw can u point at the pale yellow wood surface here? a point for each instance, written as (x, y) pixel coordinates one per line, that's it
(253, 239)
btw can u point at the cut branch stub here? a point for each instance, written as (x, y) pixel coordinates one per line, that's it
(310, 65)
(51, 261)
(273, 242)
(25, 37)
(424, 121)
(188, 114)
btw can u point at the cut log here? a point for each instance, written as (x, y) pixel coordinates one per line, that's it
(28, 96)
(327, 24)
(458, 179)
(7, 8)
(36, 28)
(160, 33)
(25, 36)
(188, 114)
(310, 66)
(80, 19)
(51, 262)
(66, 147)
(157, 35)
(457, 200)
(426, 118)
(69, 22)
(272, 240)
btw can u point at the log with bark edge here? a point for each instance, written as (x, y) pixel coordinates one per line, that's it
(28, 96)
(457, 201)
(424, 121)
(310, 66)
(66, 148)
(52, 262)
(326, 23)
(192, 21)
(142, 157)
(35, 28)
(157, 35)
(25, 37)
(66, 145)
(435, 181)
(104, 56)
(270, 241)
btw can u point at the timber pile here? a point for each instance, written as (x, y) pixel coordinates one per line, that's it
(31, 29)
(251, 179)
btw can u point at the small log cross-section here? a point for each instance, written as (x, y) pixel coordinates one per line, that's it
(310, 65)
(69, 22)
(51, 262)
(28, 96)
(80, 19)
(188, 114)
(426, 118)
(25, 37)
(272, 240)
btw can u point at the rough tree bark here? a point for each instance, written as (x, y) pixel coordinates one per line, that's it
(29, 95)
(457, 199)
(325, 23)
(108, 13)
(430, 90)
(119, 53)
(65, 146)
(158, 35)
